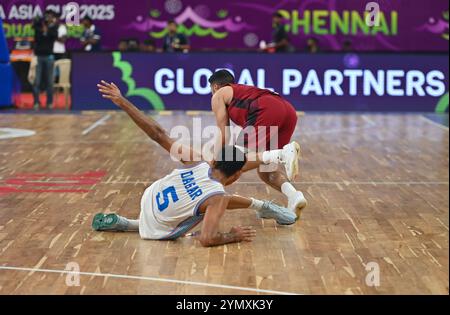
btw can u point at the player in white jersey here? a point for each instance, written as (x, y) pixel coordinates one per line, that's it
(170, 206)
(173, 205)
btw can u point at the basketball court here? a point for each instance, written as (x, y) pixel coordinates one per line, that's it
(377, 186)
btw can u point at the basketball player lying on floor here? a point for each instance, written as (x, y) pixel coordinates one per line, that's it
(173, 205)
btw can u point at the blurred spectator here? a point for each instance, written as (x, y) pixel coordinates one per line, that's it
(46, 33)
(148, 46)
(91, 38)
(123, 45)
(280, 39)
(59, 47)
(347, 45)
(312, 45)
(133, 44)
(173, 41)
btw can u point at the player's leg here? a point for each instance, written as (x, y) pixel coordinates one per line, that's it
(37, 81)
(289, 156)
(279, 181)
(274, 179)
(114, 223)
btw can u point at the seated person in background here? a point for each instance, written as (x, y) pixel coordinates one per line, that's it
(347, 45)
(123, 45)
(133, 44)
(148, 46)
(90, 39)
(312, 45)
(173, 41)
(59, 47)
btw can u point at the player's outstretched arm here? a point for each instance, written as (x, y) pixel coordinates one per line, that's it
(210, 234)
(147, 124)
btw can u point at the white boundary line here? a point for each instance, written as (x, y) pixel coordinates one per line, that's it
(118, 276)
(99, 122)
(345, 183)
(10, 133)
(434, 123)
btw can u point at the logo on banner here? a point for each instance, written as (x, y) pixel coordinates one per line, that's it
(127, 70)
(200, 25)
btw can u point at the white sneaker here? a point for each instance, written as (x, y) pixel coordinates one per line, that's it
(282, 215)
(297, 203)
(289, 157)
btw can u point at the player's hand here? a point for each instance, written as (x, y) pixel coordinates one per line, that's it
(243, 233)
(110, 91)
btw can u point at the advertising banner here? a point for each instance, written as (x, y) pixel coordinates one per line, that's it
(419, 25)
(321, 82)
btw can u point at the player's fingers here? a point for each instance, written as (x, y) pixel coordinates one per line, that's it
(103, 88)
(250, 233)
(106, 83)
(112, 83)
(100, 86)
(105, 93)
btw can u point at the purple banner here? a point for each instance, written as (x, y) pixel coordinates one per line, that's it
(322, 82)
(419, 25)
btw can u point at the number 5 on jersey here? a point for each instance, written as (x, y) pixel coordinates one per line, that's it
(164, 203)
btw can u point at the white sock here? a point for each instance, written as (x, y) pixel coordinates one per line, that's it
(128, 224)
(273, 156)
(256, 204)
(133, 225)
(288, 190)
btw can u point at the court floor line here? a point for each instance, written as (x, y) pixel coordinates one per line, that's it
(345, 183)
(156, 279)
(99, 122)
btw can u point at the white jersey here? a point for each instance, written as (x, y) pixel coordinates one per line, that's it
(58, 47)
(170, 206)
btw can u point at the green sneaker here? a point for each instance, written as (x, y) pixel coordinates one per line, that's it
(105, 222)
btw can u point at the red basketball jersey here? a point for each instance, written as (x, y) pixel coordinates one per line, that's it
(244, 105)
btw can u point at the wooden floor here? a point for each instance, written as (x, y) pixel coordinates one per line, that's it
(377, 187)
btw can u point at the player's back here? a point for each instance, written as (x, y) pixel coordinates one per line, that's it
(245, 103)
(242, 92)
(170, 206)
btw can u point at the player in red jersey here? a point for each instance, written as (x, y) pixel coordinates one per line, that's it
(254, 109)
